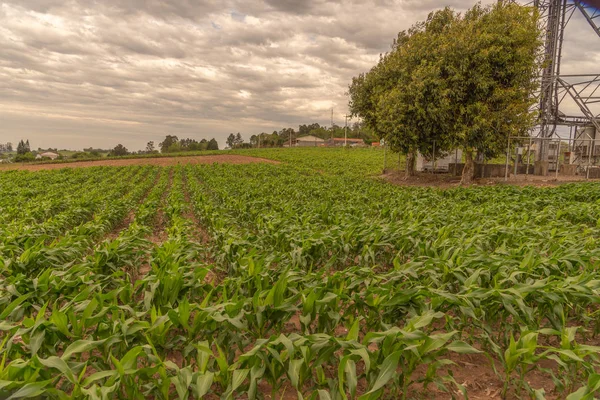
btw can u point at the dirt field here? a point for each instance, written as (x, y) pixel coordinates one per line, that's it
(162, 161)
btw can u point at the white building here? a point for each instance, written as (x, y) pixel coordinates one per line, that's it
(309, 141)
(48, 154)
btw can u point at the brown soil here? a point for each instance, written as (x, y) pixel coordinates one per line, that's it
(447, 181)
(160, 161)
(130, 217)
(476, 374)
(121, 226)
(199, 232)
(159, 232)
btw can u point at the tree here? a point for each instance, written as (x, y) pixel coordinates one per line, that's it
(166, 144)
(119, 150)
(385, 97)
(23, 147)
(150, 147)
(238, 140)
(455, 80)
(492, 70)
(212, 144)
(25, 157)
(254, 140)
(414, 111)
(9, 147)
(231, 141)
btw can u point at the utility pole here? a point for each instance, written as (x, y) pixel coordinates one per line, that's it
(332, 123)
(346, 131)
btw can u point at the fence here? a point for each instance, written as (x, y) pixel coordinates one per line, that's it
(575, 157)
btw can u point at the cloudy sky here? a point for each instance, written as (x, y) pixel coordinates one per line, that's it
(79, 73)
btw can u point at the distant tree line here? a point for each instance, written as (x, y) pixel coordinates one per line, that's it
(172, 144)
(356, 130)
(236, 142)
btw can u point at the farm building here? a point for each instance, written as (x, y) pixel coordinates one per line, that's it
(342, 141)
(309, 141)
(49, 154)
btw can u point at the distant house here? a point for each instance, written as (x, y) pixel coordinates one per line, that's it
(342, 141)
(309, 141)
(48, 154)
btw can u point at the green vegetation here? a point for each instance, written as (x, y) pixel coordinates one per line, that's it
(357, 162)
(172, 144)
(455, 81)
(305, 277)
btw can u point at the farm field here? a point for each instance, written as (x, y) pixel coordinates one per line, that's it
(300, 279)
(143, 160)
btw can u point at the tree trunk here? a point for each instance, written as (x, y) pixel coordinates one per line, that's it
(469, 170)
(411, 159)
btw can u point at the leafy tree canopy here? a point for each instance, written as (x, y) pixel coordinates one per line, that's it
(456, 80)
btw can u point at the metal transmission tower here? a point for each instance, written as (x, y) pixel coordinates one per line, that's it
(591, 13)
(565, 100)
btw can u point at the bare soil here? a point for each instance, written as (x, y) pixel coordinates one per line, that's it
(447, 181)
(160, 161)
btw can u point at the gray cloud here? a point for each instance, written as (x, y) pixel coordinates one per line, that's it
(75, 73)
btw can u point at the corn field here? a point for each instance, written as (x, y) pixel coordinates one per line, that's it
(303, 280)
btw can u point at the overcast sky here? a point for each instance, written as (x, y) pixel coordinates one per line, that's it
(79, 73)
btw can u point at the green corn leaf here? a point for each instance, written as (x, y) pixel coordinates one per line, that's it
(462, 348)
(239, 375)
(129, 360)
(353, 331)
(387, 371)
(581, 394)
(30, 390)
(594, 382)
(13, 305)
(100, 375)
(59, 364)
(36, 341)
(294, 372)
(203, 384)
(351, 378)
(324, 395)
(81, 346)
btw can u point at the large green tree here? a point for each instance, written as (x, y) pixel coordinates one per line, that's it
(454, 80)
(23, 147)
(119, 150)
(402, 97)
(167, 144)
(413, 113)
(492, 65)
(212, 144)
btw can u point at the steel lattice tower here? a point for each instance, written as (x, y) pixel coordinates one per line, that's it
(580, 91)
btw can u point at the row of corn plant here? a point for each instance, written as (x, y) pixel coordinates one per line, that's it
(329, 287)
